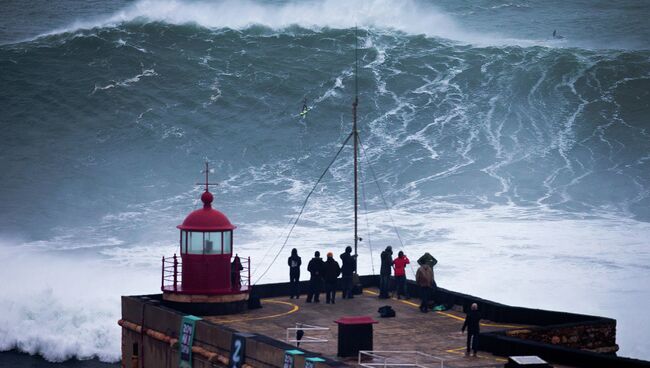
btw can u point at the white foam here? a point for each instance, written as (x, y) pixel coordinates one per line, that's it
(126, 82)
(409, 16)
(62, 307)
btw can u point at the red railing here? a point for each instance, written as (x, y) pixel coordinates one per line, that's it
(172, 274)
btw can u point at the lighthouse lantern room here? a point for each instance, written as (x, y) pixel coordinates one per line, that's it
(207, 279)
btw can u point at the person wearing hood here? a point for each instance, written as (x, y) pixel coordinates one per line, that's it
(315, 268)
(424, 278)
(348, 266)
(294, 274)
(235, 272)
(385, 271)
(400, 274)
(472, 323)
(331, 272)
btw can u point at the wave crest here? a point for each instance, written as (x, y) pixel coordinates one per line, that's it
(412, 17)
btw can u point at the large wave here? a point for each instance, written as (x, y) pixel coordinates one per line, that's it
(410, 16)
(527, 159)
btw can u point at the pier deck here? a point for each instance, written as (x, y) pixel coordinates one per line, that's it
(434, 333)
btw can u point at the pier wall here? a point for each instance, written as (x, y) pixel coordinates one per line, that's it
(599, 336)
(150, 332)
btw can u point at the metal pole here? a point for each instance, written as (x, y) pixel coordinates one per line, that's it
(356, 139)
(206, 176)
(162, 275)
(175, 271)
(356, 196)
(248, 287)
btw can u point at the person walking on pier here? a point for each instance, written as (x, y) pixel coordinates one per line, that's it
(385, 271)
(331, 272)
(315, 268)
(400, 274)
(473, 328)
(348, 266)
(294, 274)
(424, 278)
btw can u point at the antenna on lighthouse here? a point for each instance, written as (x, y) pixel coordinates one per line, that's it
(207, 171)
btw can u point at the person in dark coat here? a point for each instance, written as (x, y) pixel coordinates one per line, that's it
(315, 268)
(473, 328)
(385, 271)
(294, 274)
(348, 266)
(235, 273)
(331, 272)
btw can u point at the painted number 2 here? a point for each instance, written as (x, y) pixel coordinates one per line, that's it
(236, 355)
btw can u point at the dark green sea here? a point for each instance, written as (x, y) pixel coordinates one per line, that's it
(515, 157)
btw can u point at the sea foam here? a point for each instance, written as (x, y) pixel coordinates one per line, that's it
(64, 307)
(409, 16)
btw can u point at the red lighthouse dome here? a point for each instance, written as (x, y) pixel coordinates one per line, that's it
(207, 277)
(206, 218)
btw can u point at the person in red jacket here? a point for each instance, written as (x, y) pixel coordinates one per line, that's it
(400, 274)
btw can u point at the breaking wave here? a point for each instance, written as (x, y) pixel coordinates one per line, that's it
(411, 17)
(528, 159)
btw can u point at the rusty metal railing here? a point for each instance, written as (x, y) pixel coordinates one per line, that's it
(172, 274)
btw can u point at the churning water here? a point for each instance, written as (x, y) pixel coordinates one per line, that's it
(521, 161)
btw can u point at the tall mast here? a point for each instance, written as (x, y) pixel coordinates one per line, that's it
(355, 134)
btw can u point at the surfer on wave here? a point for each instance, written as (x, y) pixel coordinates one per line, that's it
(303, 113)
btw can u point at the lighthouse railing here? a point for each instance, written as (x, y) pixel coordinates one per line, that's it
(245, 273)
(171, 273)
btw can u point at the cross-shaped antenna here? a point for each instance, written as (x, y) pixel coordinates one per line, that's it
(206, 171)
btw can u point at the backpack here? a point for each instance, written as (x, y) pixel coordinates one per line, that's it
(386, 311)
(254, 302)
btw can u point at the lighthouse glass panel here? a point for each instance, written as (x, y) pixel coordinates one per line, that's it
(183, 241)
(227, 242)
(213, 243)
(195, 243)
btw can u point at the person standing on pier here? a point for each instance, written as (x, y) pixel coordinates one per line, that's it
(385, 271)
(473, 328)
(424, 278)
(294, 274)
(331, 272)
(235, 273)
(400, 274)
(315, 268)
(348, 266)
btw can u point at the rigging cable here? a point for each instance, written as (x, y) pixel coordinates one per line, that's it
(304, 204)
(269, 249)
(390, 216)
(365, 210)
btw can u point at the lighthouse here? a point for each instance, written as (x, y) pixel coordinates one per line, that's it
(208, 278)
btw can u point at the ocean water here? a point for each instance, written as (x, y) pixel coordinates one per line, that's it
(521, 161)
